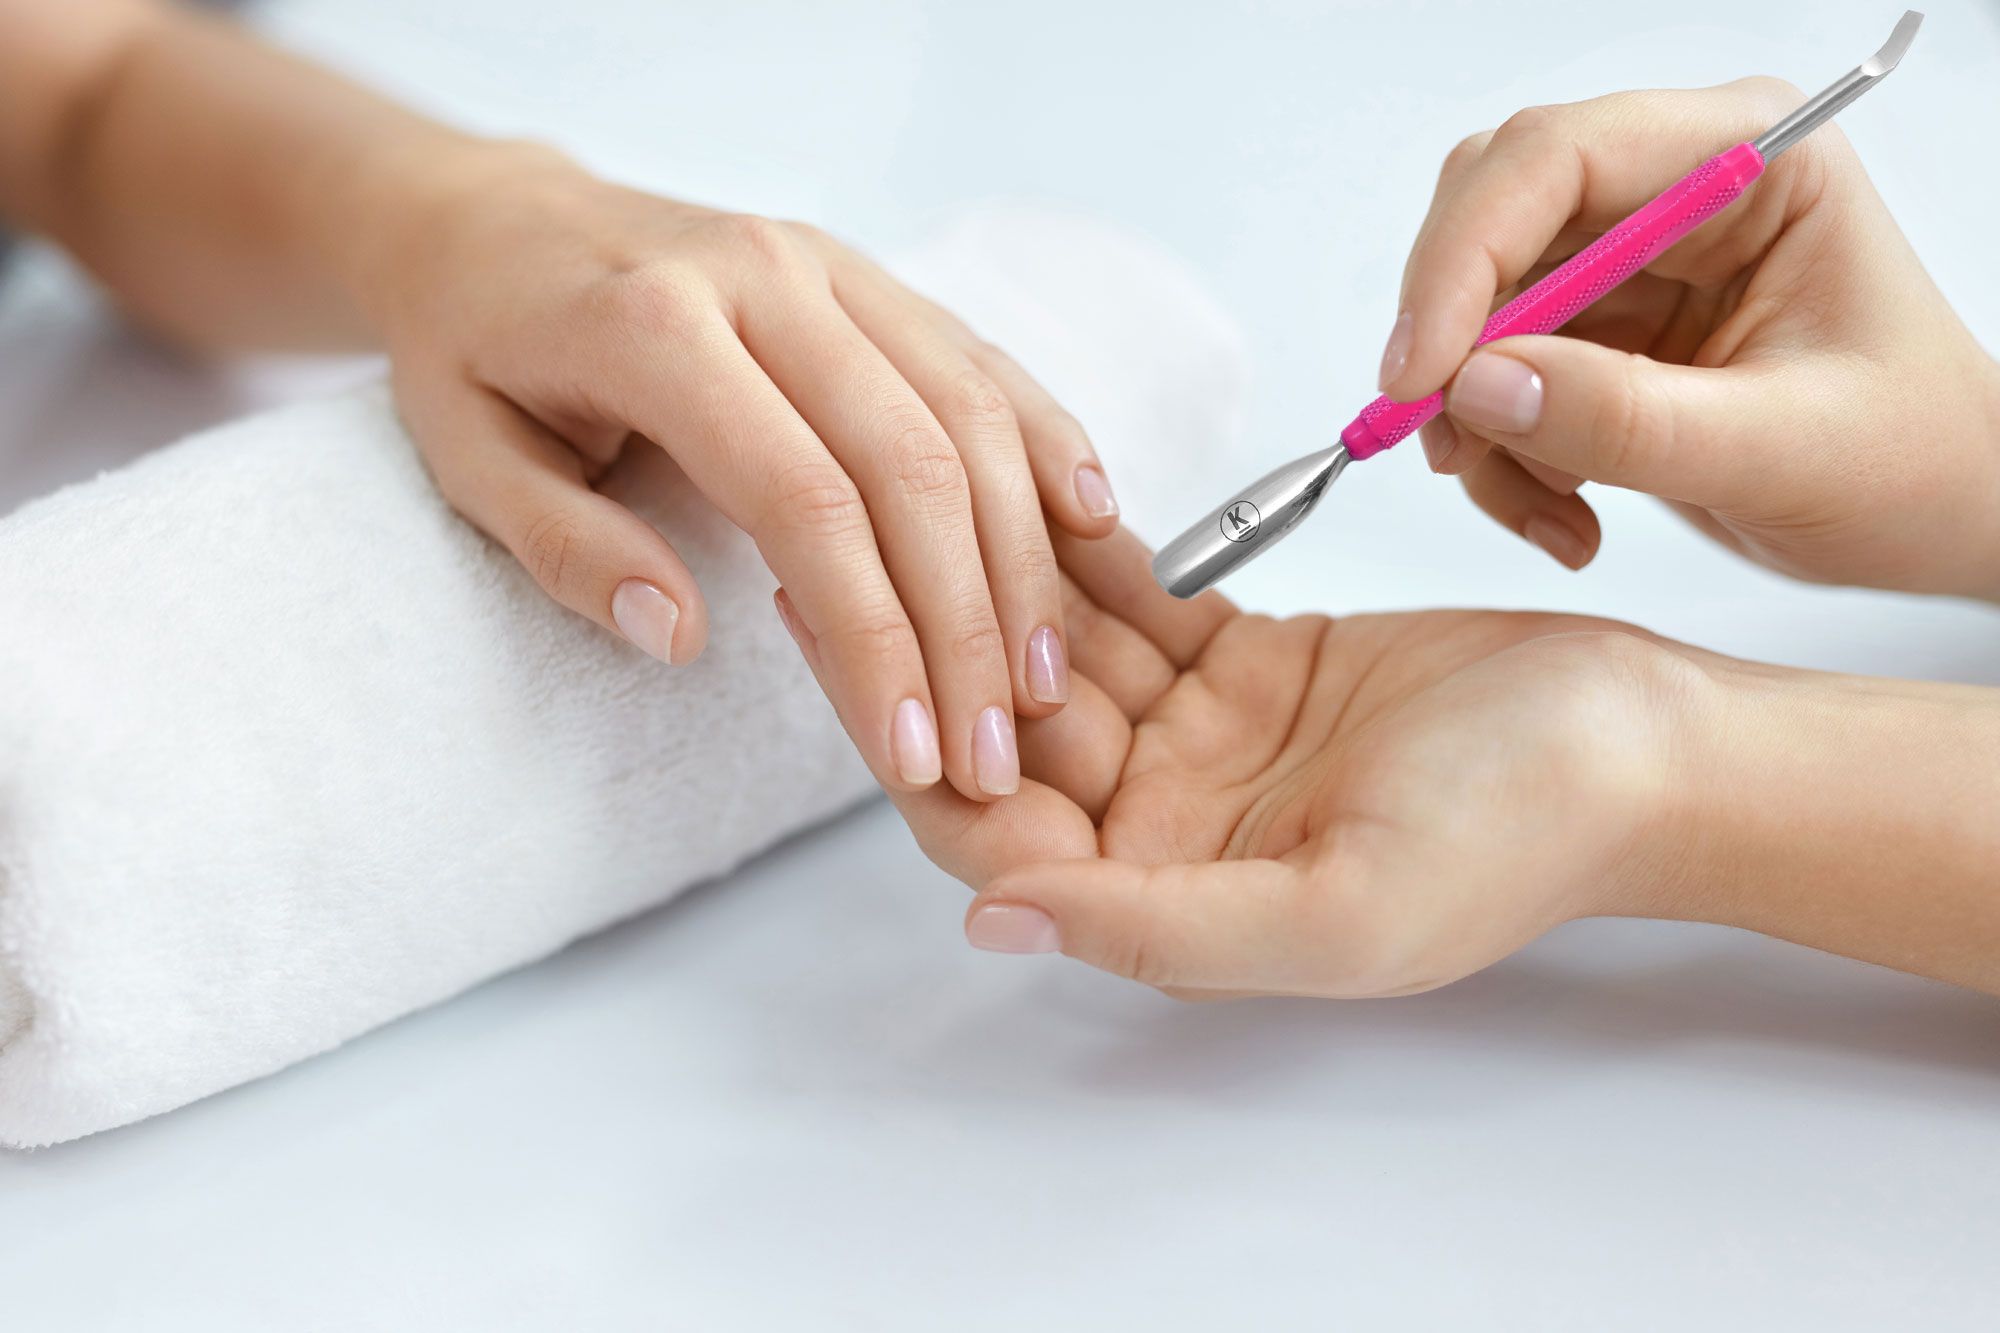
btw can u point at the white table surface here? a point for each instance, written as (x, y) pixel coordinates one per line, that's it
(794, 1099)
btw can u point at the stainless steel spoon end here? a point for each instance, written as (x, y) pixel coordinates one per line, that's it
(1254, 520)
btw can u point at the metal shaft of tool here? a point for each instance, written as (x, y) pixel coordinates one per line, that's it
(1849, 86)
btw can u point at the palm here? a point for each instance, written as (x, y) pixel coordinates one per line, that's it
(1198, 735)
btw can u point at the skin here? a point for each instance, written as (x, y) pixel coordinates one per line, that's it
(1227, 804)
(1379, 805)
(1787, 377)
(899, 474)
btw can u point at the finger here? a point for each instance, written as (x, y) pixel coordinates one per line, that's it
(1557, 480)
(1068, 473)
(524, 488)
(1562, 525)
(1119, 660)
(1594, 162)
(1007, 511)
(1681, 432)
(918, 501)
(687, 381)
(1082, 750)
(973, 840)
(1451, 452)
(1117, 572)
(1222, 925)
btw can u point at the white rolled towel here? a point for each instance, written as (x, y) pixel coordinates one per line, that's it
(287, 750)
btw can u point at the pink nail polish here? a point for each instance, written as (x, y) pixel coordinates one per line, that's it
(1496, 392)
(646, 616)
(1093, 492)
(913, 745)
(1048, 667)
(1397, 354)
(1012, 928)
(996, 764)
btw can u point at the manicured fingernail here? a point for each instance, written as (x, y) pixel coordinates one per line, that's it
(913, 745)
(1440, 442)
(1497, 392)
(1048, 668)
(1012, 928)
(1397, 354)
(996, 764)
(646, 616)
(1093, 492)
(1557, 540)
(803, 637)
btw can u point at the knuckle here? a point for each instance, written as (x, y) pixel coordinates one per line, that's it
(1465, 152)
(1137, 957)
(1632, 421)
(978, 641)
(652, 297)
(976, 400)
(1771, 94)
(873, 635)
(548, 548)
(819, 499)
(925, 465)
(1031, 563)
(1528, 122)
(757, 236)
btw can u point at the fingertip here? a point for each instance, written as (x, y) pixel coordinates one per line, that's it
(1097, 507)
(1564, 539)
(1011, 927)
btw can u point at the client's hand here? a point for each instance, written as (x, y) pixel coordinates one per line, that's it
(895, 470)
(1381, 804)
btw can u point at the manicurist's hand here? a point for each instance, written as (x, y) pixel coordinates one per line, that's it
(1787, 376)
(897, 472)
(1382, 804)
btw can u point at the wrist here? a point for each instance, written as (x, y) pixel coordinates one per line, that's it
(399, 205)
(1847, 813)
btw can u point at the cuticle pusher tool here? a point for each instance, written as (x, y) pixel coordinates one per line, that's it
(1257, 517)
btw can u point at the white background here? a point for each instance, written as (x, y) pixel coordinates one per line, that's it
(794, 1099)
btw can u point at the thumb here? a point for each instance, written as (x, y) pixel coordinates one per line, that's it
(1678, 432)
(1255, 925)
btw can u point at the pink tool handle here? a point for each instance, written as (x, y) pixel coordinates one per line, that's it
(1583, 277)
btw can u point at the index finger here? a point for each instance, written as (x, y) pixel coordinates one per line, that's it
(1587, 165)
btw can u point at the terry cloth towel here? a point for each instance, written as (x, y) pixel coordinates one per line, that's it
(287, 750)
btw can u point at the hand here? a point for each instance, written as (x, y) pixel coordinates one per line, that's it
(894, 470)
(1366, 806)
(1378, 805)
(1788, 376)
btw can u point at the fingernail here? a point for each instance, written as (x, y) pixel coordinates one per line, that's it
(646, 616)
(1048, 668)
(996, 764)
(1440, 442)
(1497, 392)
(913, 745)
(1012, 928)
(1093, 492)
(1397, 354)
(1557, 540)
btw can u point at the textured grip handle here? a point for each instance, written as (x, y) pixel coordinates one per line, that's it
(1583, 277)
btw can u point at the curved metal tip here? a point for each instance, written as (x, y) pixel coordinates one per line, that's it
(1855, 82)
(1892, 50)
